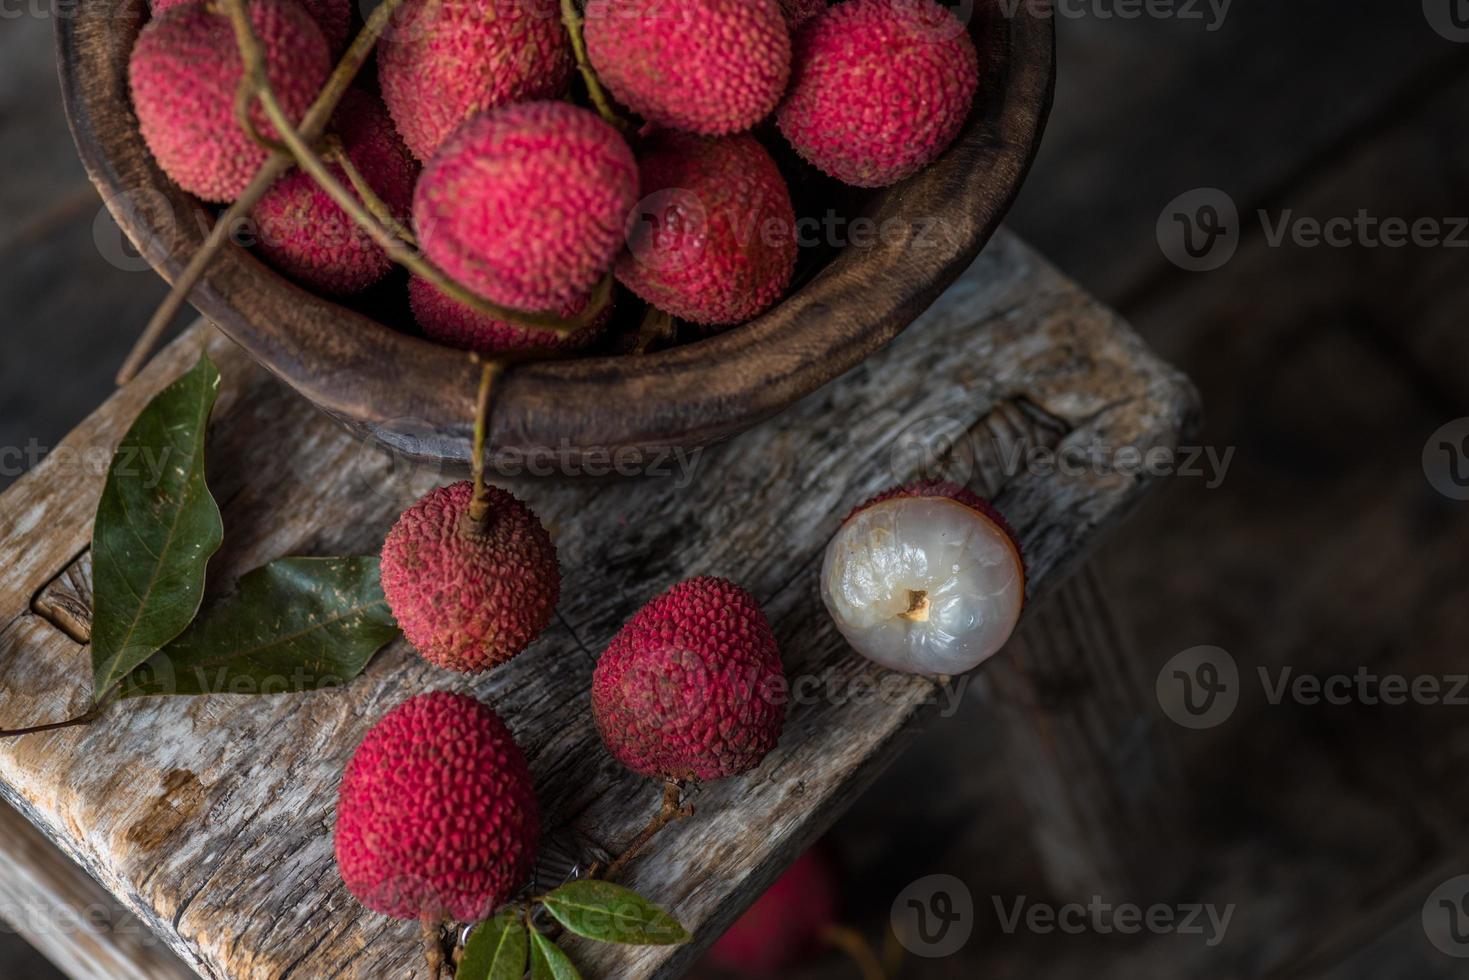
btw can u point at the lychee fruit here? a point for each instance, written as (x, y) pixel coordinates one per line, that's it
(926, 578)
(713, 240)
(437, 815)
(525, 204)
(704, 66)
(692, 687)
(467, 596)
(879, 88)
(185, 71)
(787, 925)
(303, 232)
(450, 322)
(442, 62)
(797, 12)
(334, 17)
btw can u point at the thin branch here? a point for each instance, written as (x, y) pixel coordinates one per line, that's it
(479, 505)
(858, 950)
(667, 814)
(375, 204)
(312, 126)
(572, 18)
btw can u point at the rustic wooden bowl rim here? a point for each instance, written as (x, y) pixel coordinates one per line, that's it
(418, 397)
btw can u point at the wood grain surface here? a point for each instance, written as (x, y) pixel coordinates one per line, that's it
(210, 818)
(374, 376)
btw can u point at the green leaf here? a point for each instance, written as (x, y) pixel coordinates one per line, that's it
(548, 962)
(298, 624)
(496, 950)
(610, 913)
(156, 528)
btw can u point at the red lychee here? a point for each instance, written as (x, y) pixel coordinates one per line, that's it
(308, 237)
(525, 204)
(714, 239)
(470, 598)
(437, 815)
(786, 926)
(442, 62)
(879, 88)
(925, 578)
(692, 687)
(334, 17)
(704, 66)
(185, 71)
(450, 322)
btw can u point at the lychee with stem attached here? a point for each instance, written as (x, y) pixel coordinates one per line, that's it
(926, 578)
(713, 240)
(185, 72)
(334, 17)
(692, 687)
(306, 235)
(470, 591)
(704, 66)
(450, 322)
(525, 204)
(437, 815)
(879, 89)
(442, 62)
(795, 919)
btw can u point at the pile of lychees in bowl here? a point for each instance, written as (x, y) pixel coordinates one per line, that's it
(526, 158)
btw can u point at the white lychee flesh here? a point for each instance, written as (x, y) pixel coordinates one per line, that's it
(925, 585)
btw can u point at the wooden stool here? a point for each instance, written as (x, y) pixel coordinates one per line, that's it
(210, 818)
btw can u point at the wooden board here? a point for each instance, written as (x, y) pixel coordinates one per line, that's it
(210, 818)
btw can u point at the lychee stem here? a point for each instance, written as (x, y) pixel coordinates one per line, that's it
(857, 948)
(398, 251)
(657, 326)
(433, 948)
(574, 24)
(667, 814)
(312, 126)
(84, 719)
(479, 504)
(375, 204)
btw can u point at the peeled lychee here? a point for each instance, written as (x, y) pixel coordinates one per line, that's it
(879, 88)
(470, 598)
(185, 71)
(334, 17)
(797, 12)
(926, 578)
(714, 239)
(442, 62)
(786, 926)
(692, 687)
(704, 66)
(525, 204)
(437, 815)
(450, 322)
(307, 236)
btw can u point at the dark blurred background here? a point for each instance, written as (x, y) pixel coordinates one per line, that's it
(1325, 548)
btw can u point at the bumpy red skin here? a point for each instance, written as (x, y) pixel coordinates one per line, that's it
(334, 17)
(450, 322)
(442, 62)
(704, 66)
(879, 89)
(785, 926)
(797, 12)
(303, 232)
(526, 204)
(469, 603)
(955, 492)
(714, 239)
(184, 73)
(692, 687)
(437, 814)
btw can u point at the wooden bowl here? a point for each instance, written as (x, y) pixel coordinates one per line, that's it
(418, 397)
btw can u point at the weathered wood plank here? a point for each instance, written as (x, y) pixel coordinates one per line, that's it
(211, 817)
